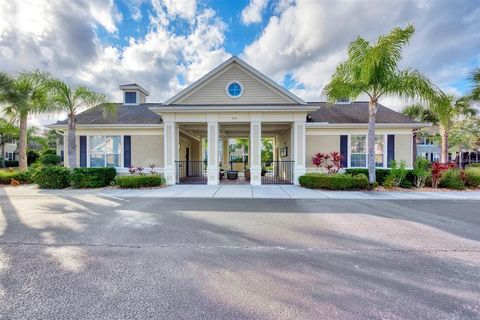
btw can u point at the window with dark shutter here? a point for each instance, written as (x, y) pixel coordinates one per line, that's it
(344, 150)
(127, 151)
(390, 149)
(83, 151)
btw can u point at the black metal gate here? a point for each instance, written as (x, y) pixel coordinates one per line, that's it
(277, 172)
(191, 172)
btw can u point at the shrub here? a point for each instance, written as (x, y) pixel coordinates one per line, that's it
(139, 181)
(92, 177)
(334, 181)
(380, 174)
(474, 165)
(47, 159)
(437, 171)
(6, 176)
(32, 156)
(421, 171)
(53, 177)
(472, 177)
(11, 163)
(453, 179)
(49, 151)
(398, 173)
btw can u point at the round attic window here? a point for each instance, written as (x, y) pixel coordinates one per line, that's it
(234, 89)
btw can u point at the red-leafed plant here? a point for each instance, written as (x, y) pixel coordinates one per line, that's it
(437, 171)
(318, 159)
(330, 161)
(336, 159)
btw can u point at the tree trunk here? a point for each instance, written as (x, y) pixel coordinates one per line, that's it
(71, 143)
(444, 146)
(372, 112)
(22, 143)
(2, 141)
(414, 146)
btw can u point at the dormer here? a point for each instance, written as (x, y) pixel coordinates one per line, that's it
(134, 94)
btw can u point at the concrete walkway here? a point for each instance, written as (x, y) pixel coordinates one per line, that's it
(239, 191)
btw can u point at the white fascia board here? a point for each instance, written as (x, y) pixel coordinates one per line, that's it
(297, 108)
(365, 125)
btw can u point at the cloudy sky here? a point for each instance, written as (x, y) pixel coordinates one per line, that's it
(166, 44)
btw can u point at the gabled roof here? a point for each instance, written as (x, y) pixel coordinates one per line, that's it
(226, 64)
(355, 112)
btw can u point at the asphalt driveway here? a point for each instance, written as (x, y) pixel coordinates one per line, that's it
(89, 257)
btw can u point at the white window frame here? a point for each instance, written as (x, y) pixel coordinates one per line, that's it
(125, 99)
(7, 156)
(385, 148)
(121, 154)
(242, 89)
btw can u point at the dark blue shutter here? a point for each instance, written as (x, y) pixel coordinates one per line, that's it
(127, 151)
(83, 151)
(390, 149)
(344, 150)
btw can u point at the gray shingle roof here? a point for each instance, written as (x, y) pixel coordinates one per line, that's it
(355, 112)
(122, 114)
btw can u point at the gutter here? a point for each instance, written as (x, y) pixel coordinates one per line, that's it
(365, 125)
(101, 126)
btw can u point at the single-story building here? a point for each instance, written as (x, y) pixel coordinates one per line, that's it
(186, 137)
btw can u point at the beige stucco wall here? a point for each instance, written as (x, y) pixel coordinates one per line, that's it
(323, 144)
(285, 140)
(255, 90)
(328, 140)
(147, 144)
(147, 150)
(403, 148)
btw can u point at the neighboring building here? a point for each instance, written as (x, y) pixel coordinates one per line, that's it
(428, 149)
(234, 101)
(11, 150)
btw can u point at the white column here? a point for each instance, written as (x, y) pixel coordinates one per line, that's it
(255, 147)
(170, 154)
(213, 169)
(298, 142)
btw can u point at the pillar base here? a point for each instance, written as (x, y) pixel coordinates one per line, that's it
(255, 176)
(170, 176)
(213, 176)
(297, 173)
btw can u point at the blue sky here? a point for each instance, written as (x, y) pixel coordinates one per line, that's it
(166, 44)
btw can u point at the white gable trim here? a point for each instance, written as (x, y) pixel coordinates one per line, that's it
(185, 92)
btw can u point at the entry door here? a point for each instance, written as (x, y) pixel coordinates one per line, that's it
(187, 159)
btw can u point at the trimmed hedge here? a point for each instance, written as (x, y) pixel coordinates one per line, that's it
(53, 177)
(472, 177)
(139, 181)
(52, 159)
(92, 177)
(334, 181)
(381, 174)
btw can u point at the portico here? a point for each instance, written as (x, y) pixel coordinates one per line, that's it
(285, 128)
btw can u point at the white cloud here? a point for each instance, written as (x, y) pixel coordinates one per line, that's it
(307, 39)
(60, 37)
(136, 13)
(185, 8)
(252, 13)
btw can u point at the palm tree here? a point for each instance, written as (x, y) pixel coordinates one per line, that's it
(25, 95)
(420, 113)
(72, 100)
(475, 94)
(447, 109)
(372, 69)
